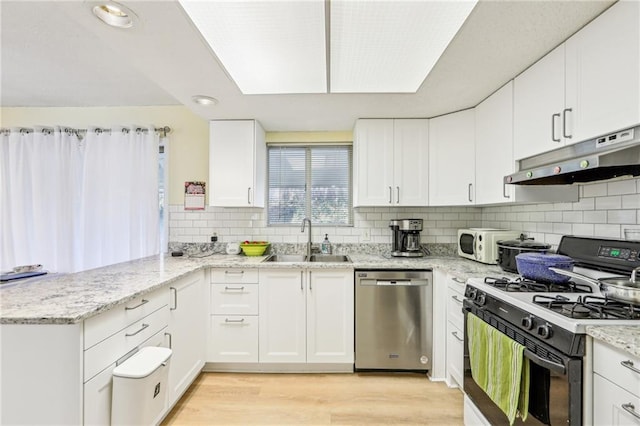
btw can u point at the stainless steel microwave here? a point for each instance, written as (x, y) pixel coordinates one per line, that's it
(479, 244)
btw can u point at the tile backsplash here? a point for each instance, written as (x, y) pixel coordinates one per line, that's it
(604, 209)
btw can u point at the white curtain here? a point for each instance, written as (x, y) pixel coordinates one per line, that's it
(74, 203)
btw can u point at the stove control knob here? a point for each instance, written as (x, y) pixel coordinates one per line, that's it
(527, 322)
(545, 331)
(481, 299)
(471, 293)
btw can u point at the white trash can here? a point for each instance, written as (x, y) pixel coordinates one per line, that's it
(139, 395)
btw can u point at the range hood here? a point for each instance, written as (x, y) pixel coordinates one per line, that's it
(605, 157)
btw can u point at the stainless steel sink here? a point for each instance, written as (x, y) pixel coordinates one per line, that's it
(337, 258)
(286, 258)
(340, 258)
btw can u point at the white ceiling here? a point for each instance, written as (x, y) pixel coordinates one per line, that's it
(56, 53)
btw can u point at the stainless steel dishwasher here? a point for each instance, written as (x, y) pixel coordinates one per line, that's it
(394, 328)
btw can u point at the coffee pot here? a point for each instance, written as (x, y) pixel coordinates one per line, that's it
(406, 237)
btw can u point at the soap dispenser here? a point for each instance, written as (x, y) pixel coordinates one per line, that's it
(325, 247)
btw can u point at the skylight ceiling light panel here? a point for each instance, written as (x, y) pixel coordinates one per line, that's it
(390, 46)
(267, 47)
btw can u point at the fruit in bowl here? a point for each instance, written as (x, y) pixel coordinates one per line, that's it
(254, 248)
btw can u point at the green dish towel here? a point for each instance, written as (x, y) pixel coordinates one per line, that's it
(499, 367)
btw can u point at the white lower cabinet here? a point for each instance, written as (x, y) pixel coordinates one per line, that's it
(306, 316)
(187, 324)
(233, 320)
(616, 386)
(455, 331)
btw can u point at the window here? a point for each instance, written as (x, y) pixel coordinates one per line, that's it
(310, 181)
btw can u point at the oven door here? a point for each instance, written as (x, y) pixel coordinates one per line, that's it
(555, 384)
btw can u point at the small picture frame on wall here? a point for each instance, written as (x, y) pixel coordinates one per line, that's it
(194, 193)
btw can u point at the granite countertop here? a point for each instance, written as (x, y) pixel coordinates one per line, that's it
(72, 298)
(623, 337)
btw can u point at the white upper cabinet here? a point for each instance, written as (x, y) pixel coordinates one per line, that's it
(588, 86)
(603, 73)
(237, 163)
(390, 156)
(494, 146)
(538, 106)
(452, 159)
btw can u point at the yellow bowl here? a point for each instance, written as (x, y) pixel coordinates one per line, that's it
(254, 249)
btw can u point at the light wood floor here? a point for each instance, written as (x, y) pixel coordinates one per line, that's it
(317, 399)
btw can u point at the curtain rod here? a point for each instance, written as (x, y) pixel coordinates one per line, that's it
(81, 132)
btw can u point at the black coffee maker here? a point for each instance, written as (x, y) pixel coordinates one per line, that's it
(406, 237)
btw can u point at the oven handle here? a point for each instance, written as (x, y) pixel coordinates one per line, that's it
(554, 366)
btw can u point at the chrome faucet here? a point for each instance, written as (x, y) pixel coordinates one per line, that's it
(304, 221)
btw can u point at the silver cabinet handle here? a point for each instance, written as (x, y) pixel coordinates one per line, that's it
(458, 280)
(629, 364)
(455, 334)
(397, 195)
(233, 288)
(553, 127)
(390, 195)
(504, 190)
(301, 283)
(310, 282)
(227, 320)
(249, 195)
(564, 123)
(143, 302)
(456, 299)
(144, 326)
(232, 272)
(631, 409)
(170, 340)
(175, 298)
(470, 188)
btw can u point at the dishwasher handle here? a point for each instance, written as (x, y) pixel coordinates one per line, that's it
(402, 282)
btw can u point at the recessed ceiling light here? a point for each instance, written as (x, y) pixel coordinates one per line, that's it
(115, 14)
(204, 100)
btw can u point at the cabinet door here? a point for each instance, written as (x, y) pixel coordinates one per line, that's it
(330, 316)
(494, 146)
(452, 159)
(410, 162)
(234, 338)
(613, 405)
(282, 321)
(603, 73)
(538, 106)
(236, 164)
(373, 162)
(187, 327)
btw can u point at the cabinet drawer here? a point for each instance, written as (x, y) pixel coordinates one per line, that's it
(234, 338)
(234, 299)
(98, 328)
(613, 405)
(236, 276)
(110, 350)
(454, 308)
(455, 352)
(617, 365)
(455, 283)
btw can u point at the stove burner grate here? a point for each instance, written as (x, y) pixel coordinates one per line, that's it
(523, 285)
(589, 306)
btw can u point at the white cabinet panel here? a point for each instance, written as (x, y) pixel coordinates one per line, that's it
(282, 316)
(235, 337)
(330, 316)
(237, 163)
(603, 73)
(234, 299)
(614, 406)
(452, 159)
(390, 158)
(187, 328)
